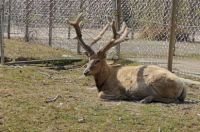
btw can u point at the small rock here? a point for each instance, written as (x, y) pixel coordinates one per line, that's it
(85, 84)
(198, 114)
(66, 56)
(119, 103)
(81, 120)
(60, 105)
(120, 118)
(1, 122)
(8, 95)
(1, 75)
(81, 77)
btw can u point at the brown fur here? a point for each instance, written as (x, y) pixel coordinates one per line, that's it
(145, 83)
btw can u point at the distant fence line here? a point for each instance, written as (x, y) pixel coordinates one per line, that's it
(172, 25)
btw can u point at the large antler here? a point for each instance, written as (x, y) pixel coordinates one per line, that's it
(96, 39)
(76, 25)
(118, 37)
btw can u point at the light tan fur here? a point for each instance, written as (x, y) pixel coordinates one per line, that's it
(144, 83)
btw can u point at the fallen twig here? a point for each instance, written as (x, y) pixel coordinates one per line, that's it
(62, 78)
(66, 60)
(53, 99)
(46, 74)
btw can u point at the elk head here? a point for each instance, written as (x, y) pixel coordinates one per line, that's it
(97, 60)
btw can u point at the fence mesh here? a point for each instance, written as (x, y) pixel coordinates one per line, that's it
(37, 13)
(149, 20)
(150, 25)
(187, 49)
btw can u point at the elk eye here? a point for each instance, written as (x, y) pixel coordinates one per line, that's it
(97, 61)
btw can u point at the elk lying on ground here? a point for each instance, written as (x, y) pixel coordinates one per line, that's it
(143, 83)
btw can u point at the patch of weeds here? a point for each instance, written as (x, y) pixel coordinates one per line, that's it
(127, 62)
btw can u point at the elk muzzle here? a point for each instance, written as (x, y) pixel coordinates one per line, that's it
(87, 72)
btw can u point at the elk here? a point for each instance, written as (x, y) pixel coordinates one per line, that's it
(137, 83)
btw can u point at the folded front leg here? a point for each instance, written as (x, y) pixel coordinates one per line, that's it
(106, 96)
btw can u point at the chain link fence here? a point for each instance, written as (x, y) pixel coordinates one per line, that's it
(187, 49)
(41, 21)
(151, 23)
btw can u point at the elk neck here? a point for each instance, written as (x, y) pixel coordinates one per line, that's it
(102, 76)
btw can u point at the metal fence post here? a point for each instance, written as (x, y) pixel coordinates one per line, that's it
(69, 31)
(27, 12)
(51, 17)
(172, 39)
(80, 10)
(117, 16)
(2, 32)
(9, 18)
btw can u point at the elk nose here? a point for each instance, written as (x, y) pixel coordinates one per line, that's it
(86, 72)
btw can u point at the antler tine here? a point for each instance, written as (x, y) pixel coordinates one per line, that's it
(123, 37)
(117, 38)
(123, 28)
(77, 21)
(115, 33)
(96, 39)
(76, 25)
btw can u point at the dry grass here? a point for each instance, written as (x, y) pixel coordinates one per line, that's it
(17, 49)
(24, 90)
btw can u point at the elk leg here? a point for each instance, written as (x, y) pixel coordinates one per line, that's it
(147, 100)
(105, 96)
(150, 99)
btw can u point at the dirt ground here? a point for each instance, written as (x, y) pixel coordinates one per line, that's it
(25, 91)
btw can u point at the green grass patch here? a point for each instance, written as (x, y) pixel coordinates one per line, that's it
(21, 51)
